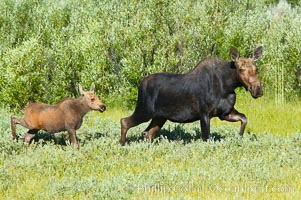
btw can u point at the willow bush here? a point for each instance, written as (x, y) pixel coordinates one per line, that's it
(48, 47)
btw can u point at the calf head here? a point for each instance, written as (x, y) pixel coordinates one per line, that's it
(92, 100)
(246, 71)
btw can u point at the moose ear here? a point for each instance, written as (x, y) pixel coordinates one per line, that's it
(234, 54)
(81, 89)
(92, 87)
(257, 53)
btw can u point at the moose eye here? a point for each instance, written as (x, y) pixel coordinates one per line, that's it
(92, 99)
(241, 70)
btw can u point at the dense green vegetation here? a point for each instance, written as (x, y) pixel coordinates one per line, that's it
(48, 47)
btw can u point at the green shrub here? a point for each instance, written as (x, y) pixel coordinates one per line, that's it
(48, 47)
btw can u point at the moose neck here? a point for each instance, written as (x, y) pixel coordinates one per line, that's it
(230, 77)
(81, 105)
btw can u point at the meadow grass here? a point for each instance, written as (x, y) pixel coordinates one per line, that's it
(176, 165)
(265, 115)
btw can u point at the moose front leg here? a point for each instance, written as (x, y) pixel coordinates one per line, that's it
(235, 116)
(72, 137)
(205, 127)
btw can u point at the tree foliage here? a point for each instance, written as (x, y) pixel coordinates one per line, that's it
(48, 47)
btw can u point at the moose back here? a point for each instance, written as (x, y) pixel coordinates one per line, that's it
(206, 91)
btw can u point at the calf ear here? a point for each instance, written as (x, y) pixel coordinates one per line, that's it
(81, 89)
(257, 53)
(234, 54)
(92, 87)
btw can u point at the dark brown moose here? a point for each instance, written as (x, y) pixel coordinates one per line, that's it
(67, 115)
(206, 91)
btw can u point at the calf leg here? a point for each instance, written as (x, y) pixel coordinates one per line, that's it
(129, 122)
(29, 135)
(235, 116)
(205, 127)
(155, 125)
(13, 121)
(72, 137)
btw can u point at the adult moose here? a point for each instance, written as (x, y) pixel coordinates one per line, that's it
(206, 91)
(67, 115)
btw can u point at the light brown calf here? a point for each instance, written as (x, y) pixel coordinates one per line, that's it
(67, 115)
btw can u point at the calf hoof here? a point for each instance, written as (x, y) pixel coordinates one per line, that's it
(122, 143)
(144, 134)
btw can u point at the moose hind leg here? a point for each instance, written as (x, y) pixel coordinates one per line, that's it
(13, 122)
(155, 125)
(129, 122)
(13, 127)
(235, 116)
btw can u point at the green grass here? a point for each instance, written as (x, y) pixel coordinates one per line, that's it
(262, 165)
(265, 115)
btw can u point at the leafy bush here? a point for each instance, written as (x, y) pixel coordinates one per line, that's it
(48, 47)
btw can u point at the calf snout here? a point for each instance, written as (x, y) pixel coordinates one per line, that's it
(102, 108)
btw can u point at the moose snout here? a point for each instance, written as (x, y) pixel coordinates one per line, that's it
(102, 108)
(256, 90)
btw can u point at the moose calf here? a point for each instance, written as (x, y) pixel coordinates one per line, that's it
(67, 115)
